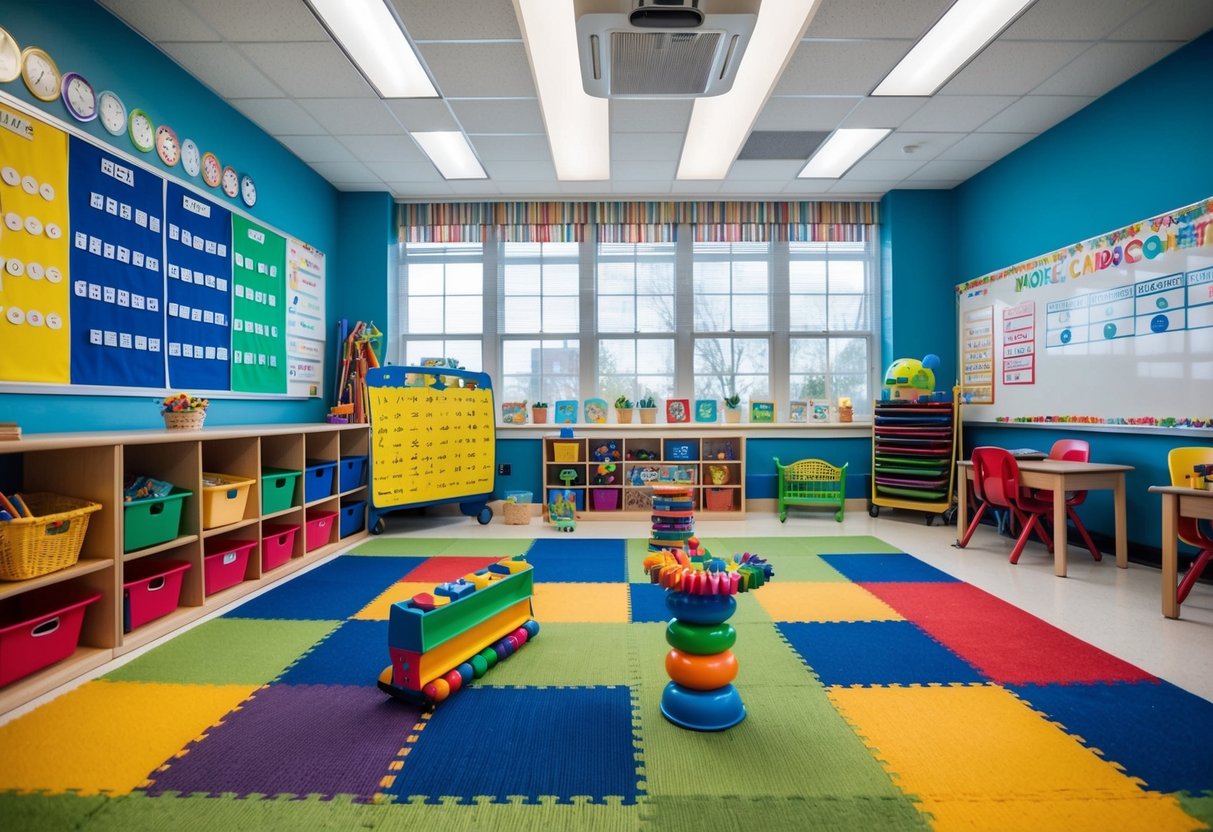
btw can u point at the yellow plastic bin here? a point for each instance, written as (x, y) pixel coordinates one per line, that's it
(566, 451)
(223, 499)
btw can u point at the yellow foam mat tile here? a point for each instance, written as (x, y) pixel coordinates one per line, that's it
(380, 608)
(805, 601)
(107, 737)
(606, 603)
(979, 758)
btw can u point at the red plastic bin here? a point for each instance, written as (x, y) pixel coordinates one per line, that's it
(318, 529)
(39, 630)
(151, 589)
(277, 545)
(225, 563)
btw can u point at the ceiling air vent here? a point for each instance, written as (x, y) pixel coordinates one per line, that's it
(642, 48)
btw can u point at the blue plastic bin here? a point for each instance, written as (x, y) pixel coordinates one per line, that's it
(351, 473)
(353, 518)
(318, 480)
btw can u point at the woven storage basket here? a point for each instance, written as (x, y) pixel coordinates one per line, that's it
(516, 514)
(184, 419)
(48, 541)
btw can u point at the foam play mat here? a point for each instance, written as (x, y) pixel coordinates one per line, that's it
(881, 693)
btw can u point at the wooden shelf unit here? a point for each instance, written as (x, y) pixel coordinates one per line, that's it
(645, 459)
(93, 466)
(914, 448)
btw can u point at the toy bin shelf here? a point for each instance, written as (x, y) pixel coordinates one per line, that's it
(152, 521)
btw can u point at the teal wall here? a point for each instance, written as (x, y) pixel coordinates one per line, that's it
(83, 37)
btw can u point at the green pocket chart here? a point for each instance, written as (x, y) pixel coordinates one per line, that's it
(258, 308)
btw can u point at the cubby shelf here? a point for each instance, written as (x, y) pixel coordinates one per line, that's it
(93, 466)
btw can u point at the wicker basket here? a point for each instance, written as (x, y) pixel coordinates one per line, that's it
(184, 419)
(48, 541)
(516, 514)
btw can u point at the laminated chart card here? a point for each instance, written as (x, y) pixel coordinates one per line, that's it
(304, 317)
(34, 268)
(430, 444)
(117, 280)
(198, 265)
(258, 308)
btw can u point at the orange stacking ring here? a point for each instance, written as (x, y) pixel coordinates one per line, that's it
(701, 672)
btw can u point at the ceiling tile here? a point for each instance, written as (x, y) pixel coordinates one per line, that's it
(498, 115)
(352, 117)
(875, 19)
(278, 116)
(359, 187)
(384, 148)
(521, 171)
(423, 171)
(986, 146)
(924, 146)
(595, 188)
(913, 184)
(808, 186)
(344, 171)
(647, 147)
(268, 20)
(1087, 20)
(1013, 68)
(850, 189)
(840, 67)
(534, 190)
(1179, 20)
(949, 171)
(624, 170)
(223, 69)
(634, 115)
(422, 114)
(753, 188)
(786, 112)
(768, 169)
(957, 112)
(479, 70)
(473, 187)
(883, 111)
(1035, 113)
(694, 186)
(1103, 67)
(505, 148)
(459, 19)
(866, 170)
(309, 70)
(159, 21)
(317, 148)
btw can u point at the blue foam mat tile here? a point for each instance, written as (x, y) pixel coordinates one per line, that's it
(878, 568)
(383, 569)
(576, 560)
(353, 654)
(648, 603)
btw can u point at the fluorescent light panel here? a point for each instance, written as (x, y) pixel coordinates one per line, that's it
(960, 34)
(451, 153)
(578, 124)
(720, 123)
(843, 149)
(373, 39)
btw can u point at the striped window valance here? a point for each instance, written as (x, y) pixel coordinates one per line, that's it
(635, 222)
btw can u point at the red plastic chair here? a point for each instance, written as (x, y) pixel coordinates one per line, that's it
(996, 485)
(1071, 450)
(1179, 463)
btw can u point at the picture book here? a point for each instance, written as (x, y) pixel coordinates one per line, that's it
(595, 412)
(762, 411)
(798, 411)
(705, 410)
(677, 410)
(513, 413)
(566, 412)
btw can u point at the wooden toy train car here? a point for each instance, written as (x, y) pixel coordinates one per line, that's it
(441, 641)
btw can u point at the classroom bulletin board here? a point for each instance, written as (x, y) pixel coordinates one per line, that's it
(119, 277)
(1116, 329)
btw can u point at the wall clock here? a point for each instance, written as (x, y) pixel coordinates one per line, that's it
(10, 58)
(142, 131)
(211, 171)
(112, 112)
(167, 146)
(231, 181)
(79, 97)
(191, 159)
(248, 190)
(40, 73)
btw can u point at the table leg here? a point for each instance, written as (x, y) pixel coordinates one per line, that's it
(1170, 555)
(1059, 527)
(962, 502)
(1122, 523)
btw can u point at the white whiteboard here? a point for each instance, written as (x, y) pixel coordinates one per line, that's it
(1117, 329)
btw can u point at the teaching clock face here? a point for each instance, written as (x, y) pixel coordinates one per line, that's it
(142, 131)
(167, 146)
(248, 190)
(191, 159)
(40, 73)
(10, 58)
(112, 112)
(231, 181)
(79, 97)
(211, 171)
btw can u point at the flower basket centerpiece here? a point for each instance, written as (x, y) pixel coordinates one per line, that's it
(539, 413)
(732, 408)
(648, 410)
(183, 412)
(623, 410)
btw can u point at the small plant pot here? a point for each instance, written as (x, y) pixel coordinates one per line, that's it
(648, 415)
(845, 414)
(732, 416)
(623, 415)
(539, 415)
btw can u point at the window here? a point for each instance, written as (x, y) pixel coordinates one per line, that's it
(441, 303)
(732, 294)
(539, 297)
(635, 301)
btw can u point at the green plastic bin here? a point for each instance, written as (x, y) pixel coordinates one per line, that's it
(278, 489)
(152, 521)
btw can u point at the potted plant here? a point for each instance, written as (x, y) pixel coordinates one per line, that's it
(539, 413)
(732, 408)
(648, 410)
(623, 410)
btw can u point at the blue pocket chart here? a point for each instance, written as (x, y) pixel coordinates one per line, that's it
(116, 270)
(198, 254)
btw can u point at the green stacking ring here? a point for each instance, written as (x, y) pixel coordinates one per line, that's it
(700, 639)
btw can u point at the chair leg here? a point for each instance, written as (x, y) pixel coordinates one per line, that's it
(1190, 577)
(1082, 530)
(964, 541)
(1033, 522)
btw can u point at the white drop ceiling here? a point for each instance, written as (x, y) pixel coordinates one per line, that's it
(272, 61)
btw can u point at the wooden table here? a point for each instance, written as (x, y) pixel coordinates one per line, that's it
(1059, 477)
(1177, 502)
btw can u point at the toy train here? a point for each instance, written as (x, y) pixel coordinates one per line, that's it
(441, 641)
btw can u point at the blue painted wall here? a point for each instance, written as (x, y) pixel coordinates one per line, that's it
(83, 37)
